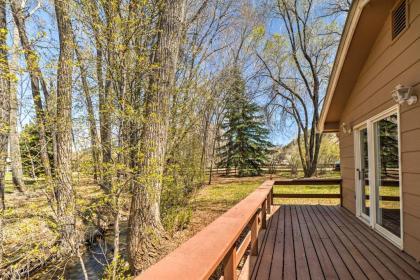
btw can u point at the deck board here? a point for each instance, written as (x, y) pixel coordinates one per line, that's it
(278, 253)
(391, 266)
(336, 251)
(327, 242)
(267, 253)
(315, 267)
(289, 269)
(323, 257)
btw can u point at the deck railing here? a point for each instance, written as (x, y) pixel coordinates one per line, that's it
(220, 247)
(311, 182)
(222, 244)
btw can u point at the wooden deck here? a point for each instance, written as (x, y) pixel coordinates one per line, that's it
(327, 242)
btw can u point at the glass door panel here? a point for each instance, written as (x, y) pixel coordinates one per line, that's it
(363, 173)
(387, 173)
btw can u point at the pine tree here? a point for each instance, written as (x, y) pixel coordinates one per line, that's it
(244, 135)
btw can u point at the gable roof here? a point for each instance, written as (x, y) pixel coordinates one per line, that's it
(364, 22)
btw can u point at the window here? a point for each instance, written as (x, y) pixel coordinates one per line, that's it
(399, 19)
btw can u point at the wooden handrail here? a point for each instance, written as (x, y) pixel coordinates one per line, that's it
(201, 255)
(309, 182)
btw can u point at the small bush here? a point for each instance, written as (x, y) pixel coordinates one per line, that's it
(122, 270)
(177, 219)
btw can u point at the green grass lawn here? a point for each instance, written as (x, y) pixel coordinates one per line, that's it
(224, 195)
(321, 189)
(308, 189)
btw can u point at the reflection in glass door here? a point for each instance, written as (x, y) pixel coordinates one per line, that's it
(387, 174)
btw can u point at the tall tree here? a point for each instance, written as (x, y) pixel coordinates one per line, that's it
(15, 155)
(94, 137)
(63, 187)
(245, 135)
(106, 90)
(297, 62)
(4, 113)
(145, 227)
(37, 81)
(337, 7)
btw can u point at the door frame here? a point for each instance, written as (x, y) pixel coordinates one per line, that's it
(372, 220)
(357, 166)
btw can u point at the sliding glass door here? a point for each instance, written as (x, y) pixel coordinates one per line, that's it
(387, 174)
(378, 174)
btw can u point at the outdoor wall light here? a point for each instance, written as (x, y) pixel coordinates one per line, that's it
(345, 129)
(403, 94)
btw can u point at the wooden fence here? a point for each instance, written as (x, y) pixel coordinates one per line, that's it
(270, 169)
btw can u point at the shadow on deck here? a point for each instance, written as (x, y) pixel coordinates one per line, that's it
(326, 242)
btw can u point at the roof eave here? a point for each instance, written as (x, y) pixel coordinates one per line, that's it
(346, 39)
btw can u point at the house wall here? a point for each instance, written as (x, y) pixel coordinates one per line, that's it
(390, 63)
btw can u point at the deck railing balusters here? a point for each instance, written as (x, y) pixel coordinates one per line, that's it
(229, 266)
(254, 235)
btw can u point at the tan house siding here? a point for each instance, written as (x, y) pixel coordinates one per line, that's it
(390, 63)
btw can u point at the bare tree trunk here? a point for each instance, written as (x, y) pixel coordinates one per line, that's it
(4, 114)
(36, 80)
(94, 138)
(204, 151)
(64, 191)
(145, 228)
(105, 93)
(116, 240)
(215, 142)
(15, 156)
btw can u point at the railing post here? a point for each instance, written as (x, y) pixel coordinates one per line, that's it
(229, 266)
(254, 235)
(264, 214)
(341, 192)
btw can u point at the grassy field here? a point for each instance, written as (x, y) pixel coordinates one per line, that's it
(211, 201)
(222, 196)
(307, 189)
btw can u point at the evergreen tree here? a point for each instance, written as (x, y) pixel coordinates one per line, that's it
(30, 151)
(244, 135)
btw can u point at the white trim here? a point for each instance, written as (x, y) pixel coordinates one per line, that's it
(339, 60)
(372, 220)
(386, 113)
(358, 162)
(372, 172)
(389, 236)
(401, 180)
